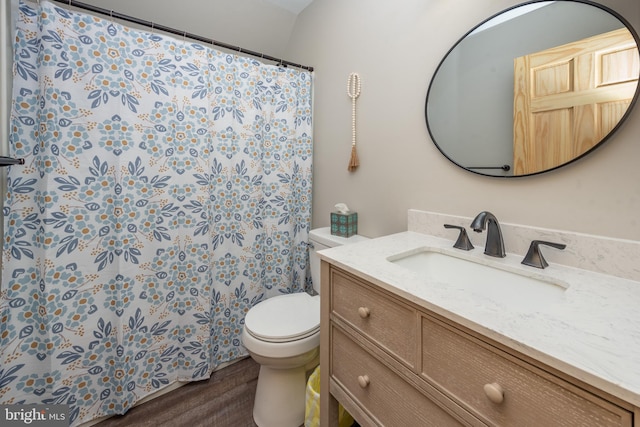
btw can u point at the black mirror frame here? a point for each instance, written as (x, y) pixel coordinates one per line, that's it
(506, 167)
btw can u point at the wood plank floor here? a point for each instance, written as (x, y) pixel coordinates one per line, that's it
(224, 400)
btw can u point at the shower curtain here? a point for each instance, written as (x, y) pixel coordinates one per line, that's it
(166, 190)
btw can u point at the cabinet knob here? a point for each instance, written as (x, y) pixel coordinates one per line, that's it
(494, 392)
(364, 312)
(363, 380)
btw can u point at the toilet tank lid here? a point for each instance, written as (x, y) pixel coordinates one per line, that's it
(323, 236)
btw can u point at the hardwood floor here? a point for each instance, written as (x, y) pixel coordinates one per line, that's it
(225, 400)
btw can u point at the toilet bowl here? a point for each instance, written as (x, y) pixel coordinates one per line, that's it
(282, 334)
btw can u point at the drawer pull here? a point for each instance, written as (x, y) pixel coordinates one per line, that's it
(494, 392)
(363, 380)
(364, 312)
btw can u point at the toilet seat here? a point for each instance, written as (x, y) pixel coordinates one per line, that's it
(284, 318)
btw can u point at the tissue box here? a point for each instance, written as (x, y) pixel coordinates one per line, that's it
(344, 225)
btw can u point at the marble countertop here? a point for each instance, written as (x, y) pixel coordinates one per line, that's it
(592, 333)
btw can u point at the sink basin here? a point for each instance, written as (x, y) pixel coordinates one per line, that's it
(488, 281)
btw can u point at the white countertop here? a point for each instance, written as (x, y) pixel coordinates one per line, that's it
(593, 334)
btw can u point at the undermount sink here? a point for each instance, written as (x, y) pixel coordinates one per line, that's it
(483, 280)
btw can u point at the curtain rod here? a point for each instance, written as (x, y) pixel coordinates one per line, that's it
(149, 24)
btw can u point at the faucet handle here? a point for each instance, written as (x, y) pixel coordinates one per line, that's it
(534, 257)
(463, 241)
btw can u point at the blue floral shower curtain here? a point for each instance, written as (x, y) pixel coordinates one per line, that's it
(166, 190)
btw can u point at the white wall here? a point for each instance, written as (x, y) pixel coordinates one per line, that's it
(396, 47)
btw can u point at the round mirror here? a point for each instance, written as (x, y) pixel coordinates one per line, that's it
(534, 88)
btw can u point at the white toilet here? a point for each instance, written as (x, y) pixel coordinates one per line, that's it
(282, 334)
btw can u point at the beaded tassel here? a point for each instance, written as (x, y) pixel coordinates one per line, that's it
(353, 90)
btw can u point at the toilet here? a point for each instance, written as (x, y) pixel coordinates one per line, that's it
(282, 334)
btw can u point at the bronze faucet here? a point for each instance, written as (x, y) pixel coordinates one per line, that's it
(495, 243)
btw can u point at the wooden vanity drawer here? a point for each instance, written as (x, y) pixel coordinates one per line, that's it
(382, 394)
(462, 365)
(382, 318)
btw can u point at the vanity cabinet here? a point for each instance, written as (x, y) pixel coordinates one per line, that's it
(392, 362)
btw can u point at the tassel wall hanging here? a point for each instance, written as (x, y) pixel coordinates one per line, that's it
(353, 90)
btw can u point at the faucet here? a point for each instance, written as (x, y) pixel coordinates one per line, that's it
(495, 244)
(463, 241)
(534, 257)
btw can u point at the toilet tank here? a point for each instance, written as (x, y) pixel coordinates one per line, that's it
(319, 239)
